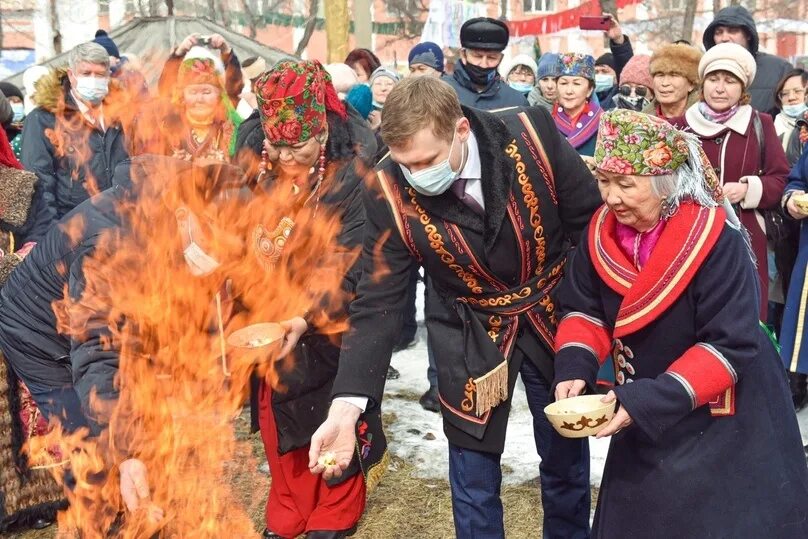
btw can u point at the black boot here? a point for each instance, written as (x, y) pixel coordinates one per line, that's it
(429, 400)
(269, 535)
(327, 534)
(799, 389)
(392, 373)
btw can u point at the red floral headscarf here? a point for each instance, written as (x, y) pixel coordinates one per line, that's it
(293, 98)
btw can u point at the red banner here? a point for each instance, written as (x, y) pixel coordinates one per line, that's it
(549, 24)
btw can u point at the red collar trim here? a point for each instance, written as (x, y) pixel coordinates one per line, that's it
(682, 248)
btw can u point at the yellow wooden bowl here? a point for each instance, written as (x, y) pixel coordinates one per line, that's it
(256, 336)
(801, 201)
(579, 417)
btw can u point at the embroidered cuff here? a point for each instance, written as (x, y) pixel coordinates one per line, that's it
(753, 194)
(704, 374)
(585, 332)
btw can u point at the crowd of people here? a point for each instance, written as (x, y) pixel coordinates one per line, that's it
(629, 225)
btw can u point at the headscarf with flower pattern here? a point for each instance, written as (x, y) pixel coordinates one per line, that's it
(293, 98)
(573, 64)
(636, 144)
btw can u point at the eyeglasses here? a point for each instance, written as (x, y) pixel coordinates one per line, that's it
(796, 92)
(640, 91)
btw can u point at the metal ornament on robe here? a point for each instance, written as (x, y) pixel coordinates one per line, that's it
(268, 245)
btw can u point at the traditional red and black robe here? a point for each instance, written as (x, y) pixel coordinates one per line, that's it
(493, 275)
(714, 450)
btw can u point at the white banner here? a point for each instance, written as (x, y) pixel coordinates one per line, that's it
(445, 19)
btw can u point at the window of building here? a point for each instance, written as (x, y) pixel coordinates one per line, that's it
(538, 5)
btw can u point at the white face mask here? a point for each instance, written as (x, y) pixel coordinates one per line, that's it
(19, 112)
(92, 89)
(199, 262)
(795, 111)
(436, 179)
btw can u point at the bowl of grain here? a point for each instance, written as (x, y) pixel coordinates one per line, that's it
(579, 417)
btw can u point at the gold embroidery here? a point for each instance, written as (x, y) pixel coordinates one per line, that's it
(437, 245)
(468, 403)
(499, 301)
(496, 327)
(532, 203)
(268, 245)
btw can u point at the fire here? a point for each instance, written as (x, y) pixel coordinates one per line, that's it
(178, 391)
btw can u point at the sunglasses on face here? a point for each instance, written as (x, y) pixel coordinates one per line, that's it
(639, 91)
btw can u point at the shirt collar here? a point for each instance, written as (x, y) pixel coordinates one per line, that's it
(95, 117)
(473, 168)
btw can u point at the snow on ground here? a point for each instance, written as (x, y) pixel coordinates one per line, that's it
(418, 434)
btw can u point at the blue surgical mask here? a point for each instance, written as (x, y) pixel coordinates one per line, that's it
(795, 111)
(436, 179)
(92, 89)
(603, 82)
(19, 112)
(521, 87)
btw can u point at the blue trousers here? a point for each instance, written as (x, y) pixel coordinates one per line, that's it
(476, 477)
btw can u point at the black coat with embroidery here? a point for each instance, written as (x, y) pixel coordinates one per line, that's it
(376, 314)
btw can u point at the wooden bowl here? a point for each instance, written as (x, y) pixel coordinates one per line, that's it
(256, 336)
(579, 417)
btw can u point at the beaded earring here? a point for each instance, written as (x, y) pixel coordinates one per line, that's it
(262, 167)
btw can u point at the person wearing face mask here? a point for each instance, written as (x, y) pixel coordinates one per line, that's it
(609, 66)
(13, 127)
(790, 96)
(635, 91)
(545, 92)
(520, 73)
(475, 77)
(381, 82)
(310, 150)
(457, 193)
(576, 113)
(73, 140)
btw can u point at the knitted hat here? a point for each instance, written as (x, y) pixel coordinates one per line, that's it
(548, 65)
(729, 57)
(252, 68)
(360, 97)
(383, 72)
(9, 90)
(343, 77)
(637, 71)
(519, 60)
(293, 98)
(677, 59)
(633, 143)
(105, 41)
(573, 64)
(428, 54)
(484, 33)
(606, 59)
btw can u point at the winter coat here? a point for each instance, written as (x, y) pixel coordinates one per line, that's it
(770, 68)
(736, 155)
(72, 158)
(497, 95)
(622, 53)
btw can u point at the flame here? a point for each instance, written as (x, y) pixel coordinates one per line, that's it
(175, 405)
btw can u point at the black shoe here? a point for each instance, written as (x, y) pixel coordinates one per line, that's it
(326, 534)
(392, 373)
(41, 524)
(269, 535)
(404, 345)
(429, 400)
(798, 384)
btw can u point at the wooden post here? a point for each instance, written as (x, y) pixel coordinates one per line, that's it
(363, 24)
(336, 29)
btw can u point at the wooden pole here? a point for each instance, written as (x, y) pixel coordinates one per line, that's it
(363, 24)
(336, 29)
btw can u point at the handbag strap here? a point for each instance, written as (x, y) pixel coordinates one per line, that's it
(758, 126)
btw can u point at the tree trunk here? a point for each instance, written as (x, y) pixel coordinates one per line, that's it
(309, 30)
(690, 18)
(248, 12)
(224, 11)
(716, 6)
(1, 31)
(57, 35)
(212, 10)
(170, 7)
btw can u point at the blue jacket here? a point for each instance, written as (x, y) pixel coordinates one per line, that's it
(497, 95)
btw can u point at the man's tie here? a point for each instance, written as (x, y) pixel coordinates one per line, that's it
(459, 189)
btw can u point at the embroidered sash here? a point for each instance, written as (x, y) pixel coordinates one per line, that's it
(490, 310)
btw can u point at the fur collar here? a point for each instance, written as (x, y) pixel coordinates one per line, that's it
(705, 128)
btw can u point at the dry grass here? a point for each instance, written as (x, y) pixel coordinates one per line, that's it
(403, 506)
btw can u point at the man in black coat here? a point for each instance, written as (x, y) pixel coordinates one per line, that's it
(489, 205)
(475, 78)
(71, 141)
(734, 24)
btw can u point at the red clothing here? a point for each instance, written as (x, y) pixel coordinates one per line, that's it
(300, 502)
(735, 153)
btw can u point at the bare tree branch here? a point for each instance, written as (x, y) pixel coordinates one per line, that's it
(311, 23)
(170, 7)
(690, 19)
(57, 34)
(251, 19)
(411, 14)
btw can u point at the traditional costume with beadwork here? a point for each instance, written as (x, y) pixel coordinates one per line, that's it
(493, 270)
(295, 100)
(581, 131)
(714, 449)
(26, 494)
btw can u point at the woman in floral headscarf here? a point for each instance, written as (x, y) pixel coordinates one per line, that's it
(311, 147)
(665, 286)
(199, 122)
(575, 112)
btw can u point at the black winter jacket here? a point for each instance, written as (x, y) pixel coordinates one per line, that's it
(76, 161)
(497, 95)
(770, 68)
